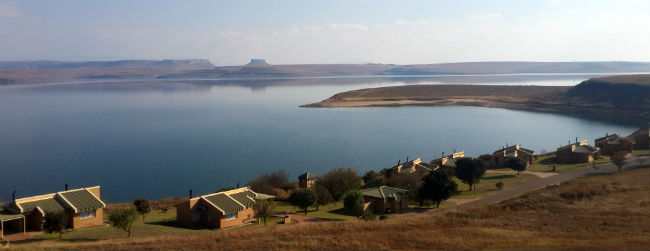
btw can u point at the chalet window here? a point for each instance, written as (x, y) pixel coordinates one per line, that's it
(87, 214)
(231, 216)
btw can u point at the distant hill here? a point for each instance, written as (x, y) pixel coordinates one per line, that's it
(22, 72)
(257, 69)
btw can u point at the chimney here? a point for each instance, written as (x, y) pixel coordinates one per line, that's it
(576, 140)
(407, 158)
(442, 154)
(399, 161)
(237, 184)
(454, 150)
(190, 193)
(66, 186)
(13, 196)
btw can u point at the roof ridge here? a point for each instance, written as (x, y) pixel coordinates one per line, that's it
(242, 205)
(35, 198)
(210, 202)
(98, 199)
(68, 202)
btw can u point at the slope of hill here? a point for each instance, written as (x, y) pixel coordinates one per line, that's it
(603, 212)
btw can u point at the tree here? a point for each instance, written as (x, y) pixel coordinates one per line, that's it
(55, 223)
(353, 202)
(303, 198)
(488, 159)
(340, 180)
(123, 219)
(142, 206)
(270, 183)
(263, 210)
(372, 179)
(324, 196)
(516, 164)
(438, 187)
(470, 171)
(618, 159)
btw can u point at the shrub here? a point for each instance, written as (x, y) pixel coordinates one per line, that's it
(142, 206)
(499, 185)
(368, 216)
(123, 219)
(339, 181)
(353, 202)
(55, 223)
(270, 183)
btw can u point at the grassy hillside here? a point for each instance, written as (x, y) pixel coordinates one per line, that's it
(627, 91)
(609, 212)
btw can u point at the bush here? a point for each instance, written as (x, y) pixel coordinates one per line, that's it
(499, 185)
(581, 191)
(368, 216)
(270, 183)
(383, 217)
(353, 202)
(123, 219)
(339, 181)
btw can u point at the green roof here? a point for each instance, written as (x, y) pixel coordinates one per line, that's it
(384, 192)
(245, 198)
(225, 203)
(307, 176)
(49, 205)
(82, 200)
(4, 216)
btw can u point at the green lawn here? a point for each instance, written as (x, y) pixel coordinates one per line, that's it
(640, 152)
(272, 221)
(156, 224)
(488, 183)
(332, 211)
(545, 164)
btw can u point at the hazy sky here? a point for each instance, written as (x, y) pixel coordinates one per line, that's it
(286, 32)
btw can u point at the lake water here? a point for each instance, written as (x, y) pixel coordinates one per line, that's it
(158, 139)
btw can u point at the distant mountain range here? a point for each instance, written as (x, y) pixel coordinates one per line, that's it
(253, 70)
(22, 72)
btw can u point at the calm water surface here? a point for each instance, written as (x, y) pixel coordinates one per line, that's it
(159, 139)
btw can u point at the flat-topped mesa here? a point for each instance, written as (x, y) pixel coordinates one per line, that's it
(258, 62)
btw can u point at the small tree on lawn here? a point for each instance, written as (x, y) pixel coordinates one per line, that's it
(55, 223)
(353, 202)
(470, 171)
(438, 187)
(142, 206)
(303, 198)
(263, 210)
(618, 159)
(516, 164)
(324, 196)
(123, 219)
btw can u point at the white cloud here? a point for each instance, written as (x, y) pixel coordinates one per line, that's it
(335, 26)
(412, 23)
(485, 16)
(555, 3)
(8, 9)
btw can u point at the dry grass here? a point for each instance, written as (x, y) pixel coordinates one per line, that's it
(613, 213)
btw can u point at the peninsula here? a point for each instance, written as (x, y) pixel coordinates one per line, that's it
(624, 93)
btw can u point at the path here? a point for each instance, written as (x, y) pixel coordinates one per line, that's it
(542, 175)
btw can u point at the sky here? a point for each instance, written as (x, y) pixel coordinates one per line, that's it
(326, 31)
